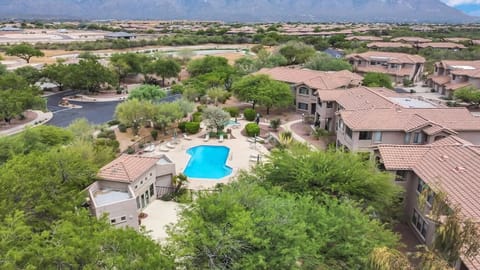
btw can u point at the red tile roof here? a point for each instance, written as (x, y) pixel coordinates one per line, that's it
(390, 57)
(127, 168)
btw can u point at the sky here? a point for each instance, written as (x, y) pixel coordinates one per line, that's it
(471, 7)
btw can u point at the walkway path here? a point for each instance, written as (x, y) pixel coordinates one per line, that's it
(288, 126)
(42, 118)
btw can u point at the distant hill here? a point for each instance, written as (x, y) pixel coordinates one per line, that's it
(239, 10)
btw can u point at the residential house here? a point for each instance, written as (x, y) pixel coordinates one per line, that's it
(399, 66)
(364, 38)
(411, 40)
(361, 130)
(441, 45)
(450, 75)
(306, 83)
(388, 45)
(127, 185)
(450, 166)
(120, 35)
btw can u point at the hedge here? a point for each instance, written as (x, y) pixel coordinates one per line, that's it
(249, 114)
(192, 127)
(233, 111)
(252, 129)
(197, 117)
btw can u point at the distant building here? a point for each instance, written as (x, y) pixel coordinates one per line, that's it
(450, 75)
(127, 185)
(120, 35)
(11, 29)
(399, 66)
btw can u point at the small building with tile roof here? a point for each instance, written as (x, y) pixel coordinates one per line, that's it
(127, 185)
(450, 166)
(450, 75)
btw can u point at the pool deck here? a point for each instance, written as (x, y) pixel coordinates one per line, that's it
(238, 159)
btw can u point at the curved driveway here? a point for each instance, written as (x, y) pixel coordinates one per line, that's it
(94, 112)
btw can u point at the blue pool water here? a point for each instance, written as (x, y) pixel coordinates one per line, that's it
(231, 123)
(208, 161)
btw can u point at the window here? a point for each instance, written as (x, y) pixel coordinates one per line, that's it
(124, 218)
(407, 138)
(377, 136)
(348, 131)
(319, 102)
(151, 190)
(365, 135)
(141, 182)
(138, 203)
(419, 223)
(329, 104)
(136, 186)
(303, 91)
(113, 221)
(454, 77)
(150, 174)
(302, 106)
(421, 185)
(417, 137)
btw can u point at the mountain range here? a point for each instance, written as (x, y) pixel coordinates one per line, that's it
(239, 10)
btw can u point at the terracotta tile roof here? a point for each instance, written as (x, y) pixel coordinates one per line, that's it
(407, 119)
(455, 86)
(362, 98)
(390, 57)
(364, 38)
(312, 78)
(381, 69)
(411, 39)
(388, 45)
(452, 168)
(434, 129)
(472, 263)
(440, 79)
(127, 168)
(457, 39)
(441, 45)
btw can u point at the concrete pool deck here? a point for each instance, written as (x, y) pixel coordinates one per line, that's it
(239, 157)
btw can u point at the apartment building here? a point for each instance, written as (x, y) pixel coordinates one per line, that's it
(449, 166)
(306, 83)
(398, 66)
(450, 75)
(127, 185)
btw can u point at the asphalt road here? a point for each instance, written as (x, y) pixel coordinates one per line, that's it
(94, 112)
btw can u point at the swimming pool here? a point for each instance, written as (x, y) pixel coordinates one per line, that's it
(208, 161)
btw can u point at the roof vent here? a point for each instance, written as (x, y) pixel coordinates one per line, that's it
(444, 157)
(460, 169)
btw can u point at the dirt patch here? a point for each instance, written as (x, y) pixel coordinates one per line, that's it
(304, 130)
(29, 116)
(127, 139)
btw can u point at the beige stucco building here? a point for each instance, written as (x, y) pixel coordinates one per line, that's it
(450, 75)
(127, 185)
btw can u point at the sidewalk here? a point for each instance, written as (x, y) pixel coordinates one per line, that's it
(42, 118)
(288, 126)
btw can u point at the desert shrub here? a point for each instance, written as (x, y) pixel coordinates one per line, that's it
(154, 134)
(249, 114)
(122, 128)
(200, 108)
(197, 117)
(233, 111)
(107, 134)
(181, 126)
(113, 122)
(192, 127)
(252, 129)
(275, 123)
(130, 150)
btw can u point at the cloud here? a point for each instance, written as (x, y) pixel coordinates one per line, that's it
(460, 2)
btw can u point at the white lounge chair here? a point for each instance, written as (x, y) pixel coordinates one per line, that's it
(170, 145)
(256, 139)
(221, 138)
(207, 138)
(186, 137)
(163, 148)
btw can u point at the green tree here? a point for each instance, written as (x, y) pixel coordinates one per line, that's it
(324, 62)
(270, 60)
(88, 55)
(468, 94)
(89, 75)
(375, 79)
(81, 129)
(340, 174)
(57, 73)
(15, 102)
(246, 226)
(246, 65)
(215, 118)
(296, 52)
(133, 112)
(207, 64)
(165, 68)
(128, 63)
(147, 92)
(24, 51)
(165, 114)
(12, 81)
(262, 90)
(30, 74)
(217, 94)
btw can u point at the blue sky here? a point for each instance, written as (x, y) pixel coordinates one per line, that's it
(471, 7)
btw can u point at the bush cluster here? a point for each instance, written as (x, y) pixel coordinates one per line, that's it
(249, 114)
(252, 129)
(192, 127)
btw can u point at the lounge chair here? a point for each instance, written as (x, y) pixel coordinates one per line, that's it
(170, 145)
(163, 148)
(186, 137)
(207, 138)
(221, 138)
(256, 139)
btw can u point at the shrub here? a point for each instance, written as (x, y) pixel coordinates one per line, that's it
(181, 126)
(154, 134)
(233, 111)
(252, 129)
(200, 108)
(130, 150)
(192, 127)
(197, 117)
(107, 134)
(249, 114)
(113, 122)
(122, 128)
(275, 123)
